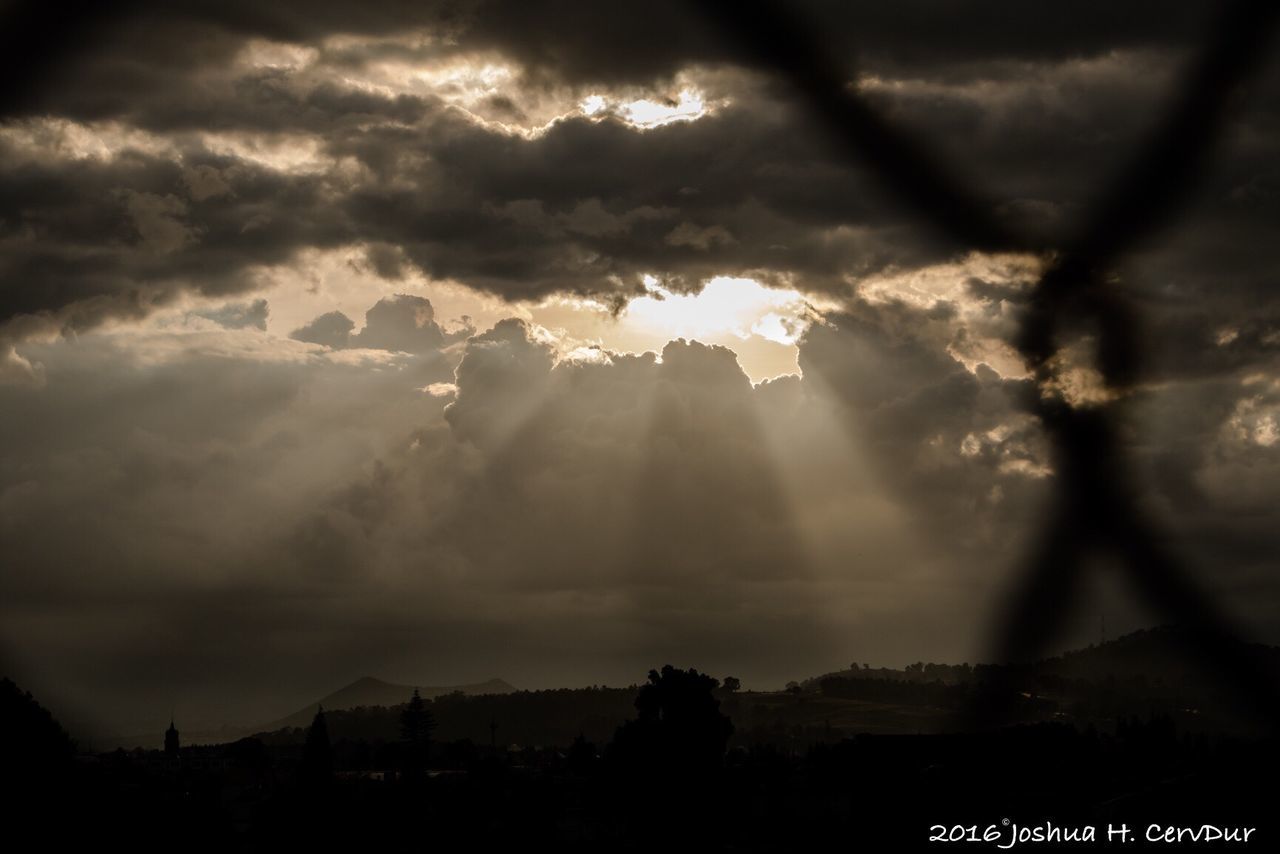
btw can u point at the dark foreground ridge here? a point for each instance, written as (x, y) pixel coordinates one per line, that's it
(1117, 734)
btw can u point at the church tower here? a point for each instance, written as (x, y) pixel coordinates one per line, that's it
(171, 739)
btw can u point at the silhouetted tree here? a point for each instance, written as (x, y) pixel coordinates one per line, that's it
(416, 721)
(31, 738)
(416, 725)
(317, 752)
(731, 684)
(680, 729)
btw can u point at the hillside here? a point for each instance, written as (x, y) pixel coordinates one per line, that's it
(554, 716)
(1150, 671)
(1164, 655)
(368, 691)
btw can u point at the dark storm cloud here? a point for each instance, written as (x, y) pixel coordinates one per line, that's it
(589, 206)
(566, 40)
(584, 208)
(1038, 104)
(641, 41)
(91, 238)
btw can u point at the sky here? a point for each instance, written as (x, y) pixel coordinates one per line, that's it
(557, 341)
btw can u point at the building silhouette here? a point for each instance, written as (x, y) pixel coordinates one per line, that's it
(171, 743)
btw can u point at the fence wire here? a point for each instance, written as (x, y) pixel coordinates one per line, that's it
(1095, 507)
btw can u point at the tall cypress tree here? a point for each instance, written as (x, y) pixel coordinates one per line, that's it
(416, 724)
(317, 752)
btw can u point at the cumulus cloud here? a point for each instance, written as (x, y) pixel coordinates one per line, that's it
(402, 323)
(329, 330)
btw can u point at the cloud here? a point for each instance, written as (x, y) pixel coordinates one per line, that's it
(418, 498)
(357, 510)
(239, 315)
(277, 133)
(401, 323)
(329, 330)
(688, 234)
(661, 494)
(147, 51)
(16, 369)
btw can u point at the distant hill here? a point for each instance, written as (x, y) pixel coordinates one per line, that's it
(368, 691)
(1153, 669)
(548, 717)
(1164, 655)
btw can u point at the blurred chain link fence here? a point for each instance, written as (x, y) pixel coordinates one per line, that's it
(1095, 507)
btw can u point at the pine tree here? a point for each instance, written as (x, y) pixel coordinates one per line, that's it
(416, 725)
(317, 752)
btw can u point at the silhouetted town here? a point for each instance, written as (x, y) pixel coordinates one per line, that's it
(874, 756)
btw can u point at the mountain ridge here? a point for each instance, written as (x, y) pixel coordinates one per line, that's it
(1163, 653)
(371, 691)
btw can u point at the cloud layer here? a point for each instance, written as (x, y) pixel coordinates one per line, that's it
(224, 469)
